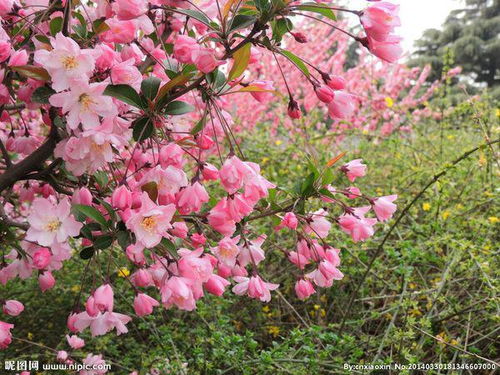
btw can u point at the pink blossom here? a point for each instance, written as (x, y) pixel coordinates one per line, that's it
(62, 355)
(150, 222)
(66, 63)
(5, 334)
(318, 224)
(191, 198)
(251, 251)
(380, 19)
(129, 9)
(389, 50)
(95, 364)
(304, 289)
(126, 73)
(121, 198)
(46, 281)
(336, 82)
(143, 304)
(141, 278)
(227, 250)
(177, 291)
(12, 307)
(233, 174)
(41, 258)
(205, 61)
(289, 221)
(49, 222)
(104, 298)
(325, 94)
(75, 342)
(185, 49)
(216, 285)
(384, 208)
(355, 224)
(84, 103)
(342, 106)
(355, 168)
(254, 287)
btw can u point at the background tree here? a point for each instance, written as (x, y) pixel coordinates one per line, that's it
(471, 33)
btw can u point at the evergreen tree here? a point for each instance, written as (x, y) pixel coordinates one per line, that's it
(472, 35)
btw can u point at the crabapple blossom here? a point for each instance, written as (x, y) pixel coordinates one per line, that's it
(354, 169)
(5, 334)
(12, 307)
(51, 223)
(384, 208)
(75, 342)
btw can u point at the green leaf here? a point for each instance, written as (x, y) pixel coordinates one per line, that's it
(241, 21)
(91, 213)
(308, 185)
(150, 86)
(99, 26)
(170, 246)
(142, 129)
(328, 177)
(241, 59)
(178, 108)
(196, 15)
(328, 13)
(123, 239)
(199, 126)
(103, 242)
(87, 253)
(126, 94)
(55, 25)
(297, 61)
(42, 94)
(101, 178)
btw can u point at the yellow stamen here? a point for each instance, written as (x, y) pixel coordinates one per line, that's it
(85, 100)
(69, 62)
(53, 225)
(149, 223)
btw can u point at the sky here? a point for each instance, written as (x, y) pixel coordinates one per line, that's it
(417, 16)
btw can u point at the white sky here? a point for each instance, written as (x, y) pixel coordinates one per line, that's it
(416, 16)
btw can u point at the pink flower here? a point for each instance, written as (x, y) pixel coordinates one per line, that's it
(233, 174)
(5, 50)
(209, 172)
(384, 208)
(102, 322)
(185, 49)
(220, 219)
(141, 278)
(318, 224)
(251, 252)
(62, 355)
(191, 198)
(66, 63)
(389, 50)
(336, 82)
(129, 9)
(49, 222)
(5, 334)
(227, 250)
(121, 198)
(254, 287)
(177, 291)
(120, 31)
(354, 169)
(194, 266)
(41, 258)
(205, 61)
(95, 364)
(126, 73)
(325, 94)
(82, 196)
(289, 221)
(216, 285)
(304, 289)
(75, 342)
(355, 224)
(171, 154)
(263, 96)
(104, 298)
(84, 103)
(342, 106)
(380, 19)
(151, 221)
(12, 307)
(46, 281)
(143, 304)
(327, 270)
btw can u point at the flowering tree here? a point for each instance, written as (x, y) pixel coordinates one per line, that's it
(117, 144)
(377, 97)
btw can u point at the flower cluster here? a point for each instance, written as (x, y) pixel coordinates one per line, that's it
(116, 138)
